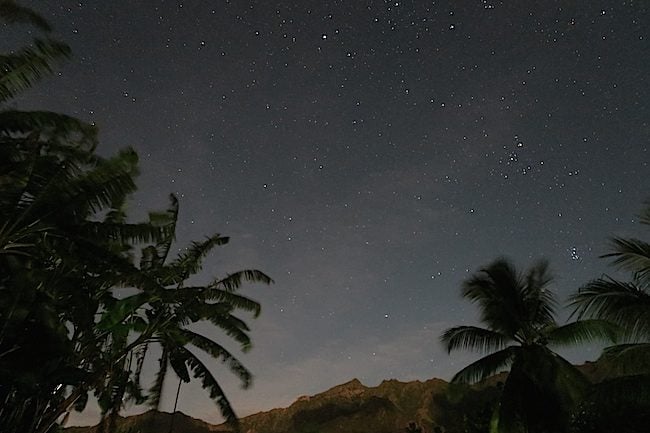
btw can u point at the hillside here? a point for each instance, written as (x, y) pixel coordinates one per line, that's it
(350, 408)
(154, 422)
(353, 407)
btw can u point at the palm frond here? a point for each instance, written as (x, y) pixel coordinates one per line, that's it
(168, 220)
(486, 366)
(539, 301)
(473, 338)
(498, 289)
(234, 300)
(218, 352)
(200, 371)
(510, 303)
(35, 180)
(107, 183)
(190, 261)
(216, 301)
(115, 270)
(480, 287)
(538, 277)
(16, 239)
(581, 332)
(234, 281)
(625, 304)
(231, 326)
(20, 70)
(632, 255)
(155, 392)
(59, 132)
(123, 232)
(58, 191)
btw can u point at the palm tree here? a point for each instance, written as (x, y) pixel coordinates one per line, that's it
(163, 313)
(622, 398)
(519, 311)
(58, 256)
(65, 246)
(55, 282)
(625, 303)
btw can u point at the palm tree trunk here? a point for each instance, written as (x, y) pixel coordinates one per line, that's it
(178, 391)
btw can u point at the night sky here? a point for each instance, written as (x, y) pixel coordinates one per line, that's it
(368, 156)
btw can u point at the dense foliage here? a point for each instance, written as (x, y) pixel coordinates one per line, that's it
(79, 308)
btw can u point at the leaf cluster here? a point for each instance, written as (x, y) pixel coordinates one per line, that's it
(68, 254)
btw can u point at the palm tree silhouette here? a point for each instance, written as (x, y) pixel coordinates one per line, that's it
(519, 311)
(163, 312)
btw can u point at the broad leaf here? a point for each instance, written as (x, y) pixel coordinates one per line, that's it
(123, 308)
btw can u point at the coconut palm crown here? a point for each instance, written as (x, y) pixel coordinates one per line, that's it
(518, 310)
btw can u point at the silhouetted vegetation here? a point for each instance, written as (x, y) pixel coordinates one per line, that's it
(77, 310)
(466, 409)
(85, 293)
(625, 303)
(621, 405)
(519, 311)
(621, 402)
(542, 392)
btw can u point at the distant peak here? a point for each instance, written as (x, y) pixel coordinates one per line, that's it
(353, 383)
(353, 386)
(386, 381)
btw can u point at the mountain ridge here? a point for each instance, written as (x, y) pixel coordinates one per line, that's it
(352, 407)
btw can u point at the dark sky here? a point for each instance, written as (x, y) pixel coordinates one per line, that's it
(368, 155)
